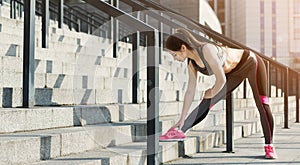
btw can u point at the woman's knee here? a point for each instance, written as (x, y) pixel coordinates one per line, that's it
(264, 99)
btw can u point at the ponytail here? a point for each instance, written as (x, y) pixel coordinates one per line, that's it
(192, 41)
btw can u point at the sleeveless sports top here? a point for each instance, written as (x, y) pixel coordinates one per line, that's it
(206, 70)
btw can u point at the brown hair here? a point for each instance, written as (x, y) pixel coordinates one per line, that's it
(182, 37)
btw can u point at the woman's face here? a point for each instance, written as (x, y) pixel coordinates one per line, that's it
(179, 55)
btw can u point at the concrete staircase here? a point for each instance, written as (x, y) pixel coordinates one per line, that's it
(90, 135)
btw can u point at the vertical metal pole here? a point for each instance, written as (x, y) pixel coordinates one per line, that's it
(20, 10)
(12, 9)
(89, 24)
(78, 25)
(115, 32)
(69, 16)
(60, 13)
(146, 20)
(28, 53)
(161, 38)
(282, 80)
(297, 96)
(268, 65)
(245, 89)
(229, 123)
(286, 101)
(152, 98)
(45, 24)
(135, 63)
(276, 81)
(111, 31)
(71, 19)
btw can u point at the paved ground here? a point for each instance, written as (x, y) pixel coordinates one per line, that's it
(250, 150)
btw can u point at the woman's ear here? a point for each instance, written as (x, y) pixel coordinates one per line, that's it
(183, 48)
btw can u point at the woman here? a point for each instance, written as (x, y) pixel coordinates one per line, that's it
(230, 67)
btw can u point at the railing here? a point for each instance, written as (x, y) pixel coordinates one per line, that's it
(73, 16)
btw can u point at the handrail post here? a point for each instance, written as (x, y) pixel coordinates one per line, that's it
(286, 95)
(245, 89)
(115, 30)
(276, 82)
(71, 17)
(20, 10)
(60, 13)
(282, 81)
(13, 9)
(89, 24)
(45, 23)
(297, 96)
(161, 38)
(135, 63)
(269, 72)
(28, 53)
(78, 24)
(229, 123)
(152, 98)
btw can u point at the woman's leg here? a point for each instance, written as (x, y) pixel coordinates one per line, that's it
(201, 111)
(258, 81)
(234, 79)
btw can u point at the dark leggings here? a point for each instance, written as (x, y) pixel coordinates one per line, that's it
(252, 67)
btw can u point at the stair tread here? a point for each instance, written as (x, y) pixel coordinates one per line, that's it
(55, 131)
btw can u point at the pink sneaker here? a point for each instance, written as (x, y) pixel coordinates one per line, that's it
(270, 152)
(173, 134)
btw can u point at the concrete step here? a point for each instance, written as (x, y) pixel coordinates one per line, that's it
(93, 114)
(127, 154)
(45, 144)
(136, 153)
(55, 117)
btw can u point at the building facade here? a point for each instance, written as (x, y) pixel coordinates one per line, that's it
(198, 10)
(271, 27)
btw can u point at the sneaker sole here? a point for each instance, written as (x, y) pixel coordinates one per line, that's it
(269, 157)
(171, 140)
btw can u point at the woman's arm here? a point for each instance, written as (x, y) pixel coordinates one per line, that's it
(189, 94)
(210, 54)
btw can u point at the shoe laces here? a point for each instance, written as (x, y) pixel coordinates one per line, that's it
(269, 148)
(171, 133)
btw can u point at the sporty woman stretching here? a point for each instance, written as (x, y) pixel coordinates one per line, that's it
(230, 67)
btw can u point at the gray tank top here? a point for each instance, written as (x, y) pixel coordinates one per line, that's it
(206, 70)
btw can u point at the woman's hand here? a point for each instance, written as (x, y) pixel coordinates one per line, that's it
(208, 94)
(179, 124)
